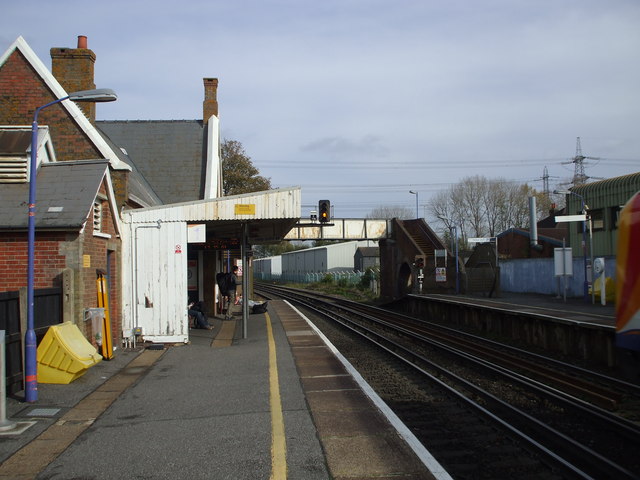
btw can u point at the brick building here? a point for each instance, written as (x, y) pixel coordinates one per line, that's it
(77, 223)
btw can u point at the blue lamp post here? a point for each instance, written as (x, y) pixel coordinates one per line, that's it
(30, 358)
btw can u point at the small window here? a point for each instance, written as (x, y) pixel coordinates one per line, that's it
(597, 219)
(614, 214)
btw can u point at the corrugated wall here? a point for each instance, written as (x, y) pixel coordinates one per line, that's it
(604, 196)
(283, 203)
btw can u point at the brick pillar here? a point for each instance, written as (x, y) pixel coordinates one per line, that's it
(74, 69)
(210, 104)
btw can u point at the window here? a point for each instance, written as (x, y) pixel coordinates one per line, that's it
(614, 214)
(597, 219)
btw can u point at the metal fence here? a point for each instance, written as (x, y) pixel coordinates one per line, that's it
(342, 277)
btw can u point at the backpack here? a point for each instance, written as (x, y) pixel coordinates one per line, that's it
(259, 308)
(224, 282)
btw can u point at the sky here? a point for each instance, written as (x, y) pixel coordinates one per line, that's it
(362, 101)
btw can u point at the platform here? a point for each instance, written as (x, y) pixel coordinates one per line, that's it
(278, 404)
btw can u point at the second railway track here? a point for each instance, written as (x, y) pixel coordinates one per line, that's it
(484, 410)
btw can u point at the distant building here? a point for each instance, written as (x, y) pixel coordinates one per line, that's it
(327, 258)
(516, 242)
(366, 257)
(604, 200)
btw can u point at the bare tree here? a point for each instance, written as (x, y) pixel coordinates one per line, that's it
(402, 213)
(471, 192)
(481, 207)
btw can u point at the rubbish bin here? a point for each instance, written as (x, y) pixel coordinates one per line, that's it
(96, 316)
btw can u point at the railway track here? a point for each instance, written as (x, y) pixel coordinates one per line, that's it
(484, 409)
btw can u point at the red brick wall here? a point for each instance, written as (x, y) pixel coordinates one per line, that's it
(48, 260)
(97, 248)
(513, 245)
(22, 91)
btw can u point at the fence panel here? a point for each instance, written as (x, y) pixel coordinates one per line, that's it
(47, 311)
(536, 275)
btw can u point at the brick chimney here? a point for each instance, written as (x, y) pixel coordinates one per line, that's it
(210, 104)
(73, 68)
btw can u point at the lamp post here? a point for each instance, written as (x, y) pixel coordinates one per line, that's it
(30, 366)
(416, 194)
(584, 238)
(455, 239)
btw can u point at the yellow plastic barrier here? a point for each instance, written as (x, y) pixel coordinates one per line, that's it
(609, 289)
(64, 354)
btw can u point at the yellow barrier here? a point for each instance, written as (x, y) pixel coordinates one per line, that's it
(64, 354)
(609, 289)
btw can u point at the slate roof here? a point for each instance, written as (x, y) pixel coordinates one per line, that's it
(548, 237)
(170, 154)
(139, 189)
(65, 192)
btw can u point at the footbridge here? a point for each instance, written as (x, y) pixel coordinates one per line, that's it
(342, 229)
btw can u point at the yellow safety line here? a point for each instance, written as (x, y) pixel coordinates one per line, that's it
(278, 440)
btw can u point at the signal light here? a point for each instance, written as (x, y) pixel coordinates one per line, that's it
(419, 261)
(324, 211)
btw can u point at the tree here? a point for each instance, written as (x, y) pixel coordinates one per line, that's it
(402, 213)
(239, 175)
(480, 207)
(275, 249)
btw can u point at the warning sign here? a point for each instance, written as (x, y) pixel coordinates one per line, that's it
(441, 274)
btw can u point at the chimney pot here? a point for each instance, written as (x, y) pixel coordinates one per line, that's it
(82, 41)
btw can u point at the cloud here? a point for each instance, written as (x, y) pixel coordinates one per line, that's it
(345, 148)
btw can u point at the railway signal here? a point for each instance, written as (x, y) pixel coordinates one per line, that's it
(324, 211)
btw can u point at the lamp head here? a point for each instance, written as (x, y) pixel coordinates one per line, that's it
(95, 95)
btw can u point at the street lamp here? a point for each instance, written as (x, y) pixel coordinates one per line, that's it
(584, 237)
(416, 194)
(454, 238)
(30, 366)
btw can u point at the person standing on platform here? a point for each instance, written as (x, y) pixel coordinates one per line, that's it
(231, 285)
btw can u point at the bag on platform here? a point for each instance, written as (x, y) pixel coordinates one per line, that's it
(259, 308)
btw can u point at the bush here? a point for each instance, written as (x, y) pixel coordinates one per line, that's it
(328, 279)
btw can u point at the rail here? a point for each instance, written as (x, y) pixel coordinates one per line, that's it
(504, 386)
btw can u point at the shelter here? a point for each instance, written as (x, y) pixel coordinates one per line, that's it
(157, 241)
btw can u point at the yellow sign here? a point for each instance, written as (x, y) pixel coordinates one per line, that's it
(86, 261)
(245, 209)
